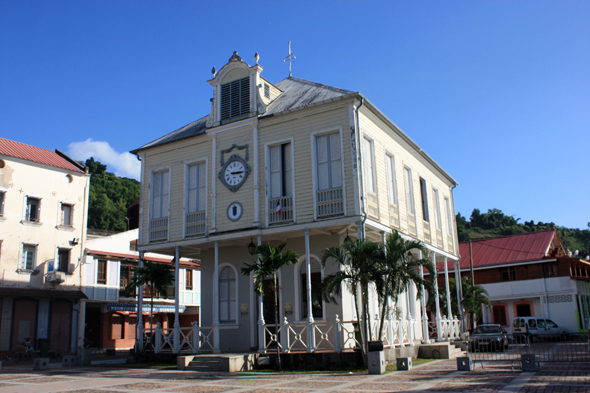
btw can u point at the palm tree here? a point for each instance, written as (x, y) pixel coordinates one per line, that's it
(271, 260)
(400, 267)
(359, 265)
(158, 276)
(474, 296)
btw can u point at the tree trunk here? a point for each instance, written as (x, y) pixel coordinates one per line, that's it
(276, 321)
(383, 310)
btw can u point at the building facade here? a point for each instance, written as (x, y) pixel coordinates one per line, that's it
(296, 162)
(43, 214)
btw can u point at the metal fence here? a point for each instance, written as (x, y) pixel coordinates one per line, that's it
(509, 349)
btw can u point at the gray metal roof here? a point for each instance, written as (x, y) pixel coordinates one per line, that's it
(296, 93)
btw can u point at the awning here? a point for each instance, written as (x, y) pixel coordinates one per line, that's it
(41, 293)
(130, 307)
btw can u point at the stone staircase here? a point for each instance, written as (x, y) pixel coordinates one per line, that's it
(205, 363)
(442, 350)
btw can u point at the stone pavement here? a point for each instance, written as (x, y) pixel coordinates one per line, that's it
(437, 376)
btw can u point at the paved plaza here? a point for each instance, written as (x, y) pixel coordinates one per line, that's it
(437, 376)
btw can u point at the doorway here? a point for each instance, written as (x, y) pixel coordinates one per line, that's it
(61, 322)
(93, 327)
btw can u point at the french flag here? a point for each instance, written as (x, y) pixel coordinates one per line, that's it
(279, 208)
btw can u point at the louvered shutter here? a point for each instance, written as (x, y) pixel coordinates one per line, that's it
(165, 193)
(335, 161)
(368, 161)
(202, 184)
(192, 188)
(225, 101)
(244, 96)
(275, 171)
(157, 194)
(316, 267)
(287, 176)
(408, 184)
(323, 168)
(389, 172)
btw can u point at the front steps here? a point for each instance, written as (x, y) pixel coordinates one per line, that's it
(225, 362)
(441, 350)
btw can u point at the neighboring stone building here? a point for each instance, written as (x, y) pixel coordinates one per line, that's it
(43, 214)
(297, 162)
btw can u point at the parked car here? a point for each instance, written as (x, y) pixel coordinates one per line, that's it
(536, 328)
(488, 337)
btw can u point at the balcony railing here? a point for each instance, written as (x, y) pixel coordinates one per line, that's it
(330, 202)
(439, 238)
(412, 224)
(196, 224)
(372, 205)
(427, 235)
(159, 229)
(393, 215)
(280, 210)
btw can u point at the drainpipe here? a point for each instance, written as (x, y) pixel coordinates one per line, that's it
(82, 302)
(360, 159)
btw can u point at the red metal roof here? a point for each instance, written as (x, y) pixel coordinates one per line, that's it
(516, 248)
(36, 154)
(135, 256)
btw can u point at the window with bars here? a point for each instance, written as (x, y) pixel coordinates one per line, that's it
(227, 295)
(424, 195)
(101, 274)
(235, 99)
(329, 161)
(33, 212)
(281, 171)
(66, 215)
(160, 194)
(63, 259)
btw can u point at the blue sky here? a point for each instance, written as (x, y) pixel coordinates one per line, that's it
(497, 92)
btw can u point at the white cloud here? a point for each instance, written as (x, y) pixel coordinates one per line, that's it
(122, 164)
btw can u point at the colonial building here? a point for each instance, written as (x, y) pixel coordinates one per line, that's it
(43, 214)
(530, 274)
(111, 310)
(296, 162)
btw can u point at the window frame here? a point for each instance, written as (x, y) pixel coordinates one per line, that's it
(391, 180)
(508, 274)
(188, 280)
(409, 191)
(242, 107)
(369, 164)
(449, 216)
(27, 216)
(61, 215)
(228, 321)
(102, 280)
(2, 202)
(437, 212)
(60, 251)
(283, 182)
(424, 200)
(155, 173)
(22, 265)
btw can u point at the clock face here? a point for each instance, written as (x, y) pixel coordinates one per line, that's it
(235, 173)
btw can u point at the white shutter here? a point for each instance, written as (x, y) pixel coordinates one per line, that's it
(287, 176)
(437, 209)
(408, 184)
(192, 188)
(368, 161)
(322, 156)
(202, 184)
(449, 219)
(275, 171)
(336, 161)
(389, 172)
(157, 197)
(165, 193)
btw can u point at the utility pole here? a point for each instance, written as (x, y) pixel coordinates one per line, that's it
(472, 280)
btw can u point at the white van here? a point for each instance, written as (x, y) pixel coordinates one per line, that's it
(536, 328)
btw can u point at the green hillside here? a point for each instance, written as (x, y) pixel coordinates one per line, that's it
(495, 223)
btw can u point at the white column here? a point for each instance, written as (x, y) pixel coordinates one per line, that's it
(388, 300)
(256, 179)
(310, 330)
(139, 336)
(425, 335)
(410, 320)
(449, 312)
(176, 299)
(216, 302)
(438, 327)
(214, 186)
(458, 282)
(261, 322)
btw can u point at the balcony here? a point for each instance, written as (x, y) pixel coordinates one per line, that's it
(123, 292)
(286, 210)
(196, 224)
(393, 215)
(330, 202)
(427, 234)
(159, 229)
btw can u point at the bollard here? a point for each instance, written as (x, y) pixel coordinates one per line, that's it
(528, 362)
(464, 363)
(69, 361)
(404, 364)
(41, 364)
(376, 357)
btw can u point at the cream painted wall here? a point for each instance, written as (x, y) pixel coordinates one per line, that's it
(20, 179)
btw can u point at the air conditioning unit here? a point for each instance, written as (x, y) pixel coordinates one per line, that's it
(55, 277)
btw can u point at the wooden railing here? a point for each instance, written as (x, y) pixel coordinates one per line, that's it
(285, 215)
(330, 202)
(159, 229)
(196, 223)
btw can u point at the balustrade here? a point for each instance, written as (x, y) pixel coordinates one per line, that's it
(159, 229)
(280, 210)
(330, 202)
(196, 224)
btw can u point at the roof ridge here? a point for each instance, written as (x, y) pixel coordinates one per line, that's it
(317, 84)
(505, 236)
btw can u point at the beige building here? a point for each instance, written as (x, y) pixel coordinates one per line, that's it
(43, 215)
(296, 162)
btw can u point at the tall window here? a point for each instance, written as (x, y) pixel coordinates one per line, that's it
(227, 295)
(391, 179)
(197, 187)
(235, 99)
(281, 171)
(66, 215)
(424, 194)
(449, 217)
(63, 259)
(161, 194)
(101, 274)
(189, 279)
(369, 166)
(437, 218)
(27, 261)
(329, 161)
(2, 197)
(409, 190)
(33, 209)
(316, 285)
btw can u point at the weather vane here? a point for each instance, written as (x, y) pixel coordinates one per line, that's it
(290, 58)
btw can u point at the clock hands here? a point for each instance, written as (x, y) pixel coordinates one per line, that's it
(237, 173)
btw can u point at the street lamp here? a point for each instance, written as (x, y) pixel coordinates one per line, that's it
(251, 247)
